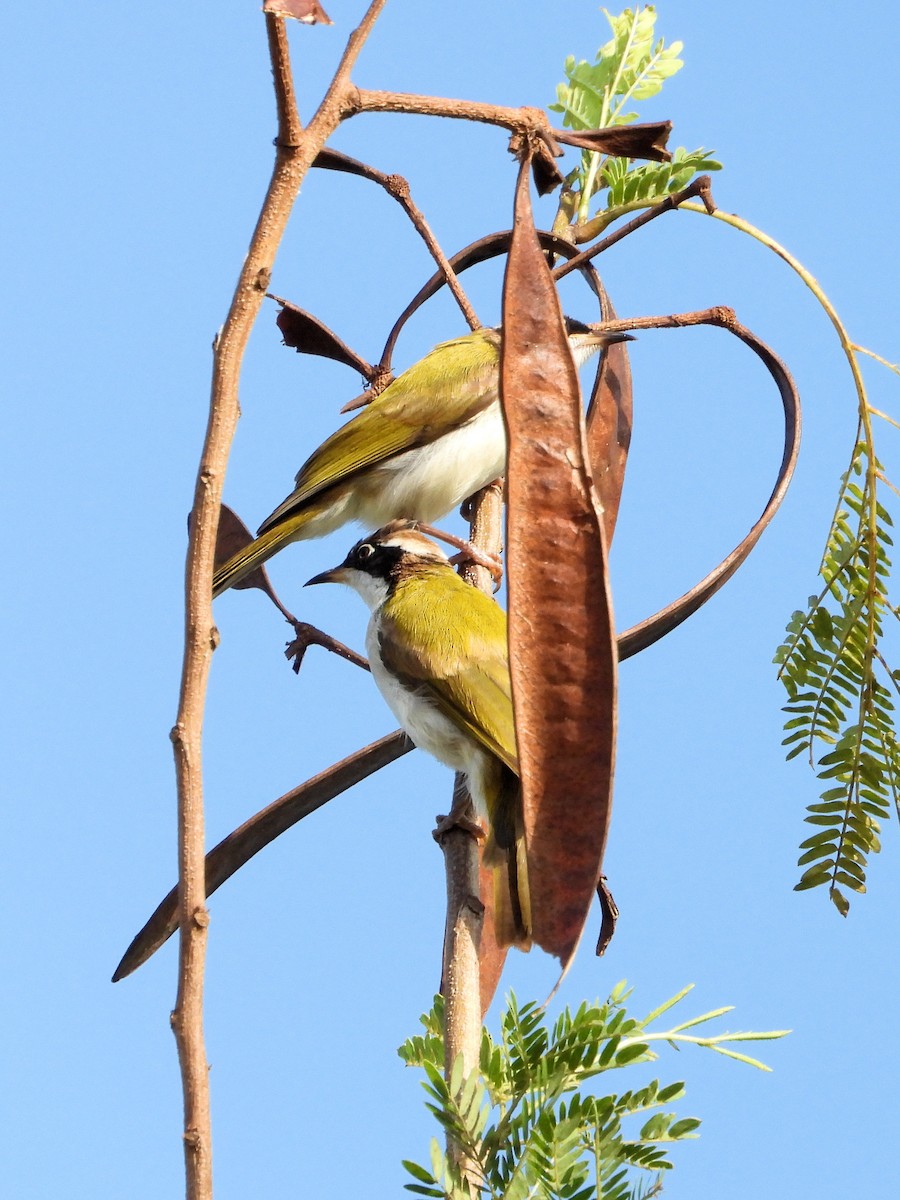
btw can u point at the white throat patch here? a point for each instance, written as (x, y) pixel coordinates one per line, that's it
(583, 351)
(373, 591)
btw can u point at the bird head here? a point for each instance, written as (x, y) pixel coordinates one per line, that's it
(378, 562)
(586, 340)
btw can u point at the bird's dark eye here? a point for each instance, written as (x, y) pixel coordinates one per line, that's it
(365, 551)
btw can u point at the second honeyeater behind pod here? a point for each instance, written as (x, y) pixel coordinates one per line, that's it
(433, 437)
(438, 653)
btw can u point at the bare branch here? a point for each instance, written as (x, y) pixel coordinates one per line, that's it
(294, 153)
(337, 102)
(398, 187)
(468, 982)
(701, 187)
(525, 120)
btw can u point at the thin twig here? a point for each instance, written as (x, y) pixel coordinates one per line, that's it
(338, 101)
(398, 187)
(294, 153)
(895, 367)
(308, 635)
(698, 187)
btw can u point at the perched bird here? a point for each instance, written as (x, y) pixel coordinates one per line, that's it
(438, 653)
(433, 437)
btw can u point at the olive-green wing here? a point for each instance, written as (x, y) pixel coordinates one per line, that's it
(449, 386)
(450, 639)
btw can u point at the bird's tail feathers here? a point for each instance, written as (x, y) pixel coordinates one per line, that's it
(504, 855)
(255, 553)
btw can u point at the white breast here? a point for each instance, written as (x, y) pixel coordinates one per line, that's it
(430, 481)
(425, 723)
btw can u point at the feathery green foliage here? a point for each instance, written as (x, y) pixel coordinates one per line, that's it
(839, 687)
(633, 65)
(840, 711)
(524, 1121)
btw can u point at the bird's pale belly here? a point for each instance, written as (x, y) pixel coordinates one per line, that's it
(428, 728)
(428, 482)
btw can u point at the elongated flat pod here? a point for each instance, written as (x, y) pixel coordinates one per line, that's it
(241, 845)
(561, 638)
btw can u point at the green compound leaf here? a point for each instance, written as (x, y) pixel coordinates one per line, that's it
(840, 708)
(529, 1123)
(638, 186)
(632, 66)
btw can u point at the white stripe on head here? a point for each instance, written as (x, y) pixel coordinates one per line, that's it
(410, 541)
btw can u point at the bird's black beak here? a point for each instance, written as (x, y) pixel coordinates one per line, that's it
(609, 339)
(335, 575)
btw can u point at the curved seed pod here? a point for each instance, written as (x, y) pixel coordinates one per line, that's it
(491, 955)
(650, 630)
(240, 846)
(482, 250)
(561, 639)
(609, 420)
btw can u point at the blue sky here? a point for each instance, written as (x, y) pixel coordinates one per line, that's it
(136, 152)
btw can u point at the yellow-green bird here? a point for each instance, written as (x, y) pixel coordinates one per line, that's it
(432, 438)
(438, 652)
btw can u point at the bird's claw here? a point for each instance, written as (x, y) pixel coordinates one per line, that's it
(466, 551)
(457, 820)
(472, 554)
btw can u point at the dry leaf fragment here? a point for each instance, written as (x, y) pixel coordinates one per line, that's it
(308, 12)
(231, 537)
(646, 140)
(308, 335)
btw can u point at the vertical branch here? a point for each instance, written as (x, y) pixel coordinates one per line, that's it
(295, 151)
(462, 997)
(465, 912)
(486, 533)
(201, 635)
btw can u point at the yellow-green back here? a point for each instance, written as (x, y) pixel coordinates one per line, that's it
(451, 638)
(448, 387)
